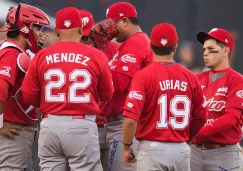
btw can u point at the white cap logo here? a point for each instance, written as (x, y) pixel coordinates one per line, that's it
(214, 29)
(85, 21)
(121, 14)
(226, 40)
(107, 11)
(67, 23)
(164, 41)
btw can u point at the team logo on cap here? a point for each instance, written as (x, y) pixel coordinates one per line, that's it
(164, 41)
(121, 14)
(85, 21)
(67, 23)
(214, 29)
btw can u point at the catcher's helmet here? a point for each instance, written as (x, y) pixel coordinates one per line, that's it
(25, 19)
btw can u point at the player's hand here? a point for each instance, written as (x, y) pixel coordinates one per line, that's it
(128, 156)
(10, 129)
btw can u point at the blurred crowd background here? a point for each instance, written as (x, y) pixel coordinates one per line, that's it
(188, 16)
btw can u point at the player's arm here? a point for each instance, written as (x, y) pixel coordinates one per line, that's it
(105, 87)
(6, 128)
(30, 85)
(4, 87)
(199, 113)
(8, 74)
(132, 112)
(129, 62)
(233, 112)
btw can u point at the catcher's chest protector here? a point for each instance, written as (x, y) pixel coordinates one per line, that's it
(23, 60)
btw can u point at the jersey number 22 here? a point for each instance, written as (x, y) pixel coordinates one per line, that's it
(72, 89)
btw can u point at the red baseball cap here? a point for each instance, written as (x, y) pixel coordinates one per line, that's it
(68, 18)
(163, 35)
(121, 10)
(219, 34)
(87, 21)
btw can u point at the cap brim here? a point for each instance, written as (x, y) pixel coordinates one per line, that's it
(201, 36)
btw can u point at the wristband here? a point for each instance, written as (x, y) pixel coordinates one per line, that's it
(127, 144)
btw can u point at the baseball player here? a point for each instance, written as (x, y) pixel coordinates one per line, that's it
(216, 147)
(17, 132)
(109, 50)
(164, 108)
(67, 81)
(133, 55)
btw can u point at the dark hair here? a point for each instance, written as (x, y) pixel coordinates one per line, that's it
(134, 21)
(162, 50)
(219, 43)
(13, 27)
(12, 34)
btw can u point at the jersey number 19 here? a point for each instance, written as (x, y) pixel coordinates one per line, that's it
(184, 112)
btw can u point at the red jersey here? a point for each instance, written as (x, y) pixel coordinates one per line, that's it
(223, 91)
(133, 55)
(164, 102)
(69, 78)
(110, 50)
(15, 110)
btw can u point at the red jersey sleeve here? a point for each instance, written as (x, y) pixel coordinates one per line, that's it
(235, 99)
(136, 98)
(129, 61)
(8, 65)
(105, 89)
(199, 108)
(30, 84)
(4, 87)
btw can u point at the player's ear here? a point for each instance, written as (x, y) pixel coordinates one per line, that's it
(56, 31)
(125, 21)
(80, 30)
(175, 48)
(226, 50)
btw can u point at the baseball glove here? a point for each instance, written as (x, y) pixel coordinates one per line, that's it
(102, 33)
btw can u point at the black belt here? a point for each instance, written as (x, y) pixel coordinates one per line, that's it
(113, 118)
(210, 145)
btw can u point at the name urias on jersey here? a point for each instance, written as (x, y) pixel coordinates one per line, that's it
(173, 85)
(67, 57)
